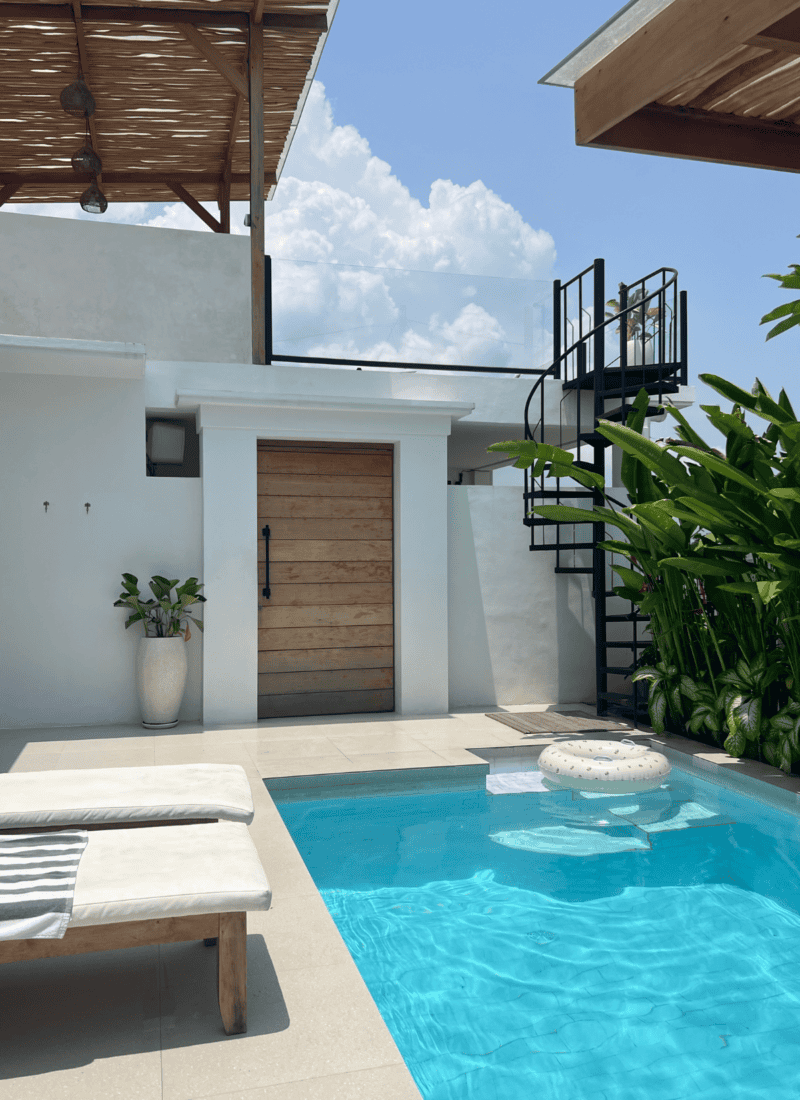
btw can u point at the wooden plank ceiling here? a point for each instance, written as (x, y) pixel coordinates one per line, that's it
(169, 78)
(715, 81)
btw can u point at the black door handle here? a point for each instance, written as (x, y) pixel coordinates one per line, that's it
(265, 589)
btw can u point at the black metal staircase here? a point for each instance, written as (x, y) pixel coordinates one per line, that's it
(651, 317)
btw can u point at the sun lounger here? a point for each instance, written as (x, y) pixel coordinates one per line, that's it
(102, 798)
(151, 886)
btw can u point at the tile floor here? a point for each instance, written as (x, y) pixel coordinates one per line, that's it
(144, 1024)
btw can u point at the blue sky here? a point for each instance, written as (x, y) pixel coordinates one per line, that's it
(446, 90)
(429, 145)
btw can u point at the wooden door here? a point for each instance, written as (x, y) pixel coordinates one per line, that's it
(326, 634)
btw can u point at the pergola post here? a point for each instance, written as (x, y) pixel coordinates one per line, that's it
(255, 71)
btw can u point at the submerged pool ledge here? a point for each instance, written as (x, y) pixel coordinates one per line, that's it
(404, 781)
(759, 781)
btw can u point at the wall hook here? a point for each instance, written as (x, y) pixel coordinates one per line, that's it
(46, 505)
(87, 506)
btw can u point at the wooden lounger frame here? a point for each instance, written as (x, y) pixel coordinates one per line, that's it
(229, 929)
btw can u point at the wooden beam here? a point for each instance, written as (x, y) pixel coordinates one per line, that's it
(742, 74)
(210, 52)
(256, 81)
(227, 160)
(86, 68)
(9, 189)
(673, 46)
(101, 13)
(783, 35)
(707, 135)
(232, 972)
(195, 206)
(258, 11)
(57, 177)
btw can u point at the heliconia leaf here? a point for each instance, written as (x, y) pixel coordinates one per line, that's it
(707, 567)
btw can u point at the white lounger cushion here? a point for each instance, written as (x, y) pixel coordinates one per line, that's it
(180, 871)
(97, 796)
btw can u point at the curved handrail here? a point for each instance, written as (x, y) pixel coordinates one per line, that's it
(597, 328)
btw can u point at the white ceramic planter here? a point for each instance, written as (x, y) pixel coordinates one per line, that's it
(161, 668)
(635, 352)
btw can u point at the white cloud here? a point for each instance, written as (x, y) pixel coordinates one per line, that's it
(362, 269)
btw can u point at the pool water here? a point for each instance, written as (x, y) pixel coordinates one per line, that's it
(566, 947)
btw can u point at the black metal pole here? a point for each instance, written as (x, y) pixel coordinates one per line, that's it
(599, 530)
(268, 308)
(557, 326)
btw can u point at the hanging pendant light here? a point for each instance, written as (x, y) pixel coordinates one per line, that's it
(93, 201)
(86, 160)
(77, 100)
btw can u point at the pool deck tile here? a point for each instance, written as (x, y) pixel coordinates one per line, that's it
(144, 1024)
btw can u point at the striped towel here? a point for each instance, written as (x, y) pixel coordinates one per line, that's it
(37, 883)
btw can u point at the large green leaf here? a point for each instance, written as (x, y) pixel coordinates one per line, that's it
(720, 466)
(654, 458)
(705, 567)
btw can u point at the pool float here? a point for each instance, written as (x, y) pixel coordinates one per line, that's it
(610, 766)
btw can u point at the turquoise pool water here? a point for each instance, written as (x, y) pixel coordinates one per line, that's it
(566, 947)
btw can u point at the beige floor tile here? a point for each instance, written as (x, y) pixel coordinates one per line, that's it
(383, 741)
(36, 762)
(85, 1027)
(453, 754)
(287, 873)
(133, 743)
(100, 758)
(464, 739)
(389, 761)
(302, 1024)
(295, 747)
(231, 752)
(386, 1083)
(299, 932)
(303, 765)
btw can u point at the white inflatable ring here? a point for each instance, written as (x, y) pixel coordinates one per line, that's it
(611, 766)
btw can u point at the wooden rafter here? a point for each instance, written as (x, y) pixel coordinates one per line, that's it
(102, 13)
(748, 70)
(258, 11)
(41, 179)
(195, 207)
(210, 52)
(707, 135)
(7, 190)
(255, 67)
(227, 162)
(662, 54)
(783, 35)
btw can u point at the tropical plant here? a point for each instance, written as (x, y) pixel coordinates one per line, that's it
(163, 616)
(712, 548)
(788, 314)
(638, 319)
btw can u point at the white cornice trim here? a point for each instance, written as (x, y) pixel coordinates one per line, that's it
(193, 399)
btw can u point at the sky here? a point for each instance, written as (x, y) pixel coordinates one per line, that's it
(427, 146)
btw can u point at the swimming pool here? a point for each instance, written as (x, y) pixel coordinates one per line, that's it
(568, 947)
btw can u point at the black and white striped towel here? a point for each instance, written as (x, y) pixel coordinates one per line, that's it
(37, 883)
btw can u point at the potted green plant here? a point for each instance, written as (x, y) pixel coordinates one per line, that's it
(161, 664)
(642, 326)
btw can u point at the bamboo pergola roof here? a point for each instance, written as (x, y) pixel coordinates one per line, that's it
(170, 80)
(716, 81)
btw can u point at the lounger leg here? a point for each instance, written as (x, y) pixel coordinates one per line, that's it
(232, 972)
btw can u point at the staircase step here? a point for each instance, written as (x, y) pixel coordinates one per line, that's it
(615, 670)
(628, 645)
(649, 375)
(582, 494)
(627, 618)
(615, 415)
(564, 546)
(594, 439)
(651, 388)
(572, 569)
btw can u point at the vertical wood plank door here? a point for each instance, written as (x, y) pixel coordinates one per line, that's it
(326, 633)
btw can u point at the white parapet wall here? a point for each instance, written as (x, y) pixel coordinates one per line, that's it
(518, 632)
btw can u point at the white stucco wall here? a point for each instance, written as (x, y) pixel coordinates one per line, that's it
(65, 657)
(183, 295)
(518, 632)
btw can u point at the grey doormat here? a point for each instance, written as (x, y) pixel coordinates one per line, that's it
(550, 721)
